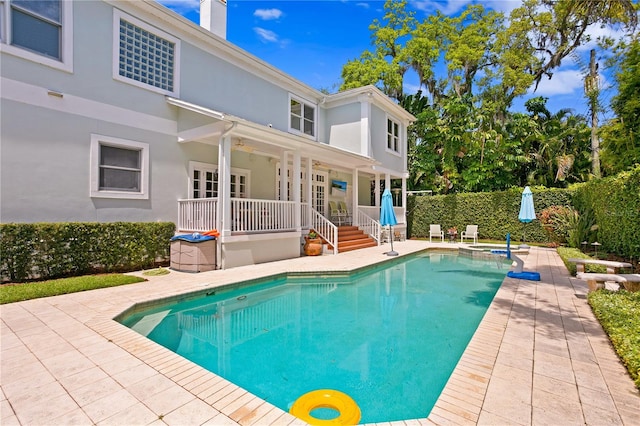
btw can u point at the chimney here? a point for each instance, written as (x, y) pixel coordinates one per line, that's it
(213, 16)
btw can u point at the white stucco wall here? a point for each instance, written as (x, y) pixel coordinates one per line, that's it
(390, 160)
(343, 124)
(45, 174)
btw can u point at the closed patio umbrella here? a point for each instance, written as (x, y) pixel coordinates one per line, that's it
(388, 217)
(527, 211)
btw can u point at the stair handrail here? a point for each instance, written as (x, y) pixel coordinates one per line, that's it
(369, 225)
(325, 228)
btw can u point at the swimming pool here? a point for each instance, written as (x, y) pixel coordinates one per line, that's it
(389, 336)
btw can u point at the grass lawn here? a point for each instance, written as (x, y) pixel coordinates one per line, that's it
(619, 314)
(17, 292)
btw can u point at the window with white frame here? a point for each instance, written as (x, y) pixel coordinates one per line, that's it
(303, 117)
(204, 181)
(393, 135)
(38, 30)
(119, 168)
(144, 56)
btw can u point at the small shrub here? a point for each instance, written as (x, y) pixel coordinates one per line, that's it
(557, 221)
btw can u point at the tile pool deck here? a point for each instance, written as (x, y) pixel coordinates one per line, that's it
(539, 357)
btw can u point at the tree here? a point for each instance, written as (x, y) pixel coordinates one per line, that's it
(553, 30)
(621, 136)
(465, 138)
(386, 66)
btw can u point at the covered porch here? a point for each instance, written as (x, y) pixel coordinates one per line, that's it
(264, 189)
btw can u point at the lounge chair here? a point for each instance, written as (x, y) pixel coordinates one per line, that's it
(470, 233)
(342, 207)
(336, 215)
(435, 231)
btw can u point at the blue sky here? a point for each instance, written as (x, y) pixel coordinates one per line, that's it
(312, 40)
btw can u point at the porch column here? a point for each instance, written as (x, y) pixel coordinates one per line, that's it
(377, 191)
(354, 197)
(284, 172)
(387, 181)
(404, 198)
(224, 186)
(308, 187)
(296, 190)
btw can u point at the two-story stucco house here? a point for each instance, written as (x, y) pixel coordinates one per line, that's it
(127, 111)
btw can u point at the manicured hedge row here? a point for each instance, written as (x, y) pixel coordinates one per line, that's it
(495, 213)
(51, 250)
(615, 202)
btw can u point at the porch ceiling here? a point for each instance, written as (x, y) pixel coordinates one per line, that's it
(260, 139)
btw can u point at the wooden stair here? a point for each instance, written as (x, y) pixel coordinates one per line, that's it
(353, 238)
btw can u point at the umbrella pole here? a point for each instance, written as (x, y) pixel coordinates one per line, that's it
(524, 236)
(391, 253)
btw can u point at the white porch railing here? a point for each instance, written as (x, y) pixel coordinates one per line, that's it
(374, 213)
(325, 229)
(304, 216)
(371, 211)
(197, 214)
(251, 215)
(255, 216)
(247, 215)
(369, 225)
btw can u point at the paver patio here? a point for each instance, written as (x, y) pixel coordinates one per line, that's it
(539, 357)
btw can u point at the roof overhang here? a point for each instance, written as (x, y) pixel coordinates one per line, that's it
(271, 141)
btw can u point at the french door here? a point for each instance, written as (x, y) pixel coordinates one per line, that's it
(319, 188)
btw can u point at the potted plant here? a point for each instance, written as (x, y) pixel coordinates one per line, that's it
(312, 244)
(452, 233)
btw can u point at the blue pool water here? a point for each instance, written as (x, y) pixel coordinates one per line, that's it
(388, 336)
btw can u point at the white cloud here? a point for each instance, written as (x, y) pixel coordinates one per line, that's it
(268, 14)
(181, 6)
(266, 36)
(453, 7)
(363, 5)
(504, 6)
(449, 7)
(596, 31)
(561, 83)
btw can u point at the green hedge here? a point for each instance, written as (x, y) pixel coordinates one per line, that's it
(52, 250)
(495, 213)
(615, 203)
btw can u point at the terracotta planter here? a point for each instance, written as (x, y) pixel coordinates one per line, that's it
(312, 246)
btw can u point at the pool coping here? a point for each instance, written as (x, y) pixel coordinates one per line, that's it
(509, 373)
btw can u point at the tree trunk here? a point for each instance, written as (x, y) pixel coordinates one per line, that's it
(593, 101)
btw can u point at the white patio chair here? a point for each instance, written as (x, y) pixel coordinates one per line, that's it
(336, 215)
(435, 231)
(342, 208)
(470, 233)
